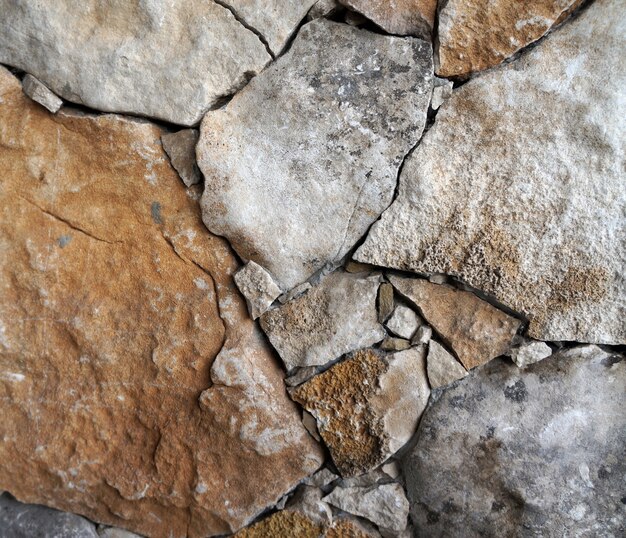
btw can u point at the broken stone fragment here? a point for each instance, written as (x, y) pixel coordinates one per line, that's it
(321, 478)
(39, 93)
(258, 287)
(356, 267)
(475, 330)
(336, 316)
(442, 367)
(385, 301)
(367, 406)
(403, 322)
(392, 469)
(530, 353)
(330, 122)
(442, 90)
(181, 149)
(395, 344)
(423, 335)
(308, 421)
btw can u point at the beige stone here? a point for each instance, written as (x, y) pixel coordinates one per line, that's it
(442, 367)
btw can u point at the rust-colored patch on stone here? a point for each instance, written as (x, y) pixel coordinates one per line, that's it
(284, 523)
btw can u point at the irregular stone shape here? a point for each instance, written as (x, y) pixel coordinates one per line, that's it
(39, 93)
(403, 322)
(124, 343)
(181, 149)
(474, 35)
(385, 505)
(156, 58)
(530, 353)
(19, 520)
(423, 335)
(442, 367)
(367, 407)
(335, 317)
(442, 90)
(323, 8)
(305, 158)
(395, 344)
(475, 330)
(321, 478)
(258, 287)
(540, 449)
(530, 217)
(400, 17)
(308, 501)
(385, 301)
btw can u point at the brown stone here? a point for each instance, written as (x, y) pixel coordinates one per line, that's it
(117, 402)
(475, 330)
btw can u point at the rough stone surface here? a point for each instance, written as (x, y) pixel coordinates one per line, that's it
(442, 367)
(403, 322)
(333, 318)
(258, 287)
(368, 406)
(475, 330)
(181, 149)
(156, 58)
(540, 449)
(124, 343)
(305, 157)
(528, 206)
(474, 35)
(39, 93)
(530, 353)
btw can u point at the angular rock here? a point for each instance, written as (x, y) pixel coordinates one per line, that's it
(392, 469)
(442, 90)
(540, 449)
(530, 353)
(367, 407)
(385, 301)
(403, 322)
(356, 267)
(423, 335)
(258, 287)
(335, 317)
(321, 478)
(305, 158)
(474, 35)
(475, 330)
(308, 501)
(395, 344)
(323, 8)
(39, 93)
(442, 368)
(156, 58)
(181, 149)
(530, 217)
(125, 344)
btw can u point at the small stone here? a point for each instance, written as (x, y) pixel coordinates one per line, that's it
(442, 90)
(283, 523)
(385, 301)
(321, 478)
(294, 292)
(403, 322)
(423, 335)
(258, 287)
(181, 149)
(385, 505)
(354, 19)
(114, 532)
(323, 9)
(371, 478)
(438, 278)
(530, 353)
(392, 469)
(357, 267)
(395, 344)
(38, 92)
(308, 421)
(442, 367)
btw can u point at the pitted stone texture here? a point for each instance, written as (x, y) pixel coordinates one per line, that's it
(528, 206)
(333, 318)
(181, 149)
(125, 344)
(258, 287)
(156, 58)
(39, 93)
(535, 452)
(442, 367)
(305, 158)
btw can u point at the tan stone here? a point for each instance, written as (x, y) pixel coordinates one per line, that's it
(117, 402)
(475, 330)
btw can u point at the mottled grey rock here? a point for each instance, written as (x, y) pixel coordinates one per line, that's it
(40, 93)
(305, 157)
(535, 452)
(156, 58)
(181, 149)
(528, 204)
(403, 322)
(530, 353)
(442, 367)
(258, 287)
(333, 318)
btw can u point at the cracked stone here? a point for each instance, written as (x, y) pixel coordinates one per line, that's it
(330, 123)
(442, 368)
(258, 287)
(155, 58)
(403, 322)
(530, 217)
(124, 343)
(39, 93)
(530, 353)
(540, 449)
(181, 149)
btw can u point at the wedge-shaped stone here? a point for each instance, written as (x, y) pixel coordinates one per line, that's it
(528, 204)
(181, 149)
(157, 58)
(135, 389)
(305, 158)
(442, 367)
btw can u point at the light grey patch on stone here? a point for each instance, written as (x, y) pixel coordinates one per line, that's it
(385, 301)
(323, 8)
(40, 93)
(181, 149)
(442, 90)
(442, 367)
(294, 292)
(64, 240)
(530, 353)
(423, 335)
(395, 344)
(403, 322)
(258, 287)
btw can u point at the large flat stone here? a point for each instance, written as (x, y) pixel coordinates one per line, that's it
(528, 205)
(135, 389)
(305, 158)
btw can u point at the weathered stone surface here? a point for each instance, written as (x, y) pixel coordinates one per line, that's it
(474, 35)
(528, 206)
(368, 406)
(442, 367)
(540, 449)
(333, 318)
(39, 93)
(385, 301)
(135, 389)
(258, 287)
(305, 157)
(403, 322)
(181, 149)
(530, 353)
(475, 330)
(167, 60)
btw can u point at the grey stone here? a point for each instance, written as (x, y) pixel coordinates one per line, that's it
(300, 375)
(335, 317)
(530, 353)
(323, 8)
(156, 58)
(403, 322)
(305, 157)
(528, 204)
(308, 501)
(423, 335)
(181, 149)
(535, 452)
(385, 301)
(114, 532)
(40, 93)
(258, 287)
(442, 367)
(321, 478)
(395, 344)
(442, 90)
